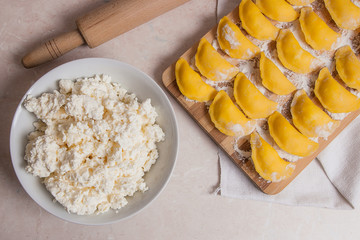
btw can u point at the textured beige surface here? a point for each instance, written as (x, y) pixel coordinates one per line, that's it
(186, 209)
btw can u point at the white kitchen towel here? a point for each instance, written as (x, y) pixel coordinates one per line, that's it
(331, 181)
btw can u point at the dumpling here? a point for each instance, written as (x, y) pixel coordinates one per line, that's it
(228, 118)
(251, 100)
(288, 138)
(267, 161)
(309, 119)
(233, 42)
(211, 64)
(348, 67)
(255, 23)
(317, 34)
(333, 96)
(278, 10)
(190, 83)
(344, 13)
(273, 79)
(300, 2)
(291, 55)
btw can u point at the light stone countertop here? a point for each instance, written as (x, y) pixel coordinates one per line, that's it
(187, 208)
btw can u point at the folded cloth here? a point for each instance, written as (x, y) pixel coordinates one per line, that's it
(331, 181)
(341, 162)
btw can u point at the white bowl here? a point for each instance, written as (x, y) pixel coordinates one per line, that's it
(134, 81)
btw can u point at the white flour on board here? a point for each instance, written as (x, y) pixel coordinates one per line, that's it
(301, 81)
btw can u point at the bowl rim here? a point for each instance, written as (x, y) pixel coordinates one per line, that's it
(159, 91)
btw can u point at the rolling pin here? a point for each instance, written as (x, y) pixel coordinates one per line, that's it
(100, 25)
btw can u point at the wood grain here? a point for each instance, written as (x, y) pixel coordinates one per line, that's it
(199, 112)
(53, 48)
(119, 16)
(99, 26)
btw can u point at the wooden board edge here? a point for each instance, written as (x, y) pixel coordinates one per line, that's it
(270, 188)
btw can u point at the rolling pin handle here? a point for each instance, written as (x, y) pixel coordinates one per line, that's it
(53, 48)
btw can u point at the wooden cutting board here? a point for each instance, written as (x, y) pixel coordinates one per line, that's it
(199, 112)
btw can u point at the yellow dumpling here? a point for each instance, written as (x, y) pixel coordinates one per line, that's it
(300, 2)
(190, 83)
(228, 118)
(344, 13)
(267, 161)
(211, 64)
(317, 34)
(288, 138)
(348, 67)
(291, 55)
(233, 42)
(309, 119)
(333, 96)
(273, 79)
(250, 99)
(255, 23)
(278, 10)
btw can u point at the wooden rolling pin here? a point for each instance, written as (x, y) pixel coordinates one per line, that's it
(100, 25)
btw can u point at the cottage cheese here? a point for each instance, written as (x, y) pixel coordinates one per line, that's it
(92, 144)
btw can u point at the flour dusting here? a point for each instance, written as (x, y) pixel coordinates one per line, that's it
(251, 70)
